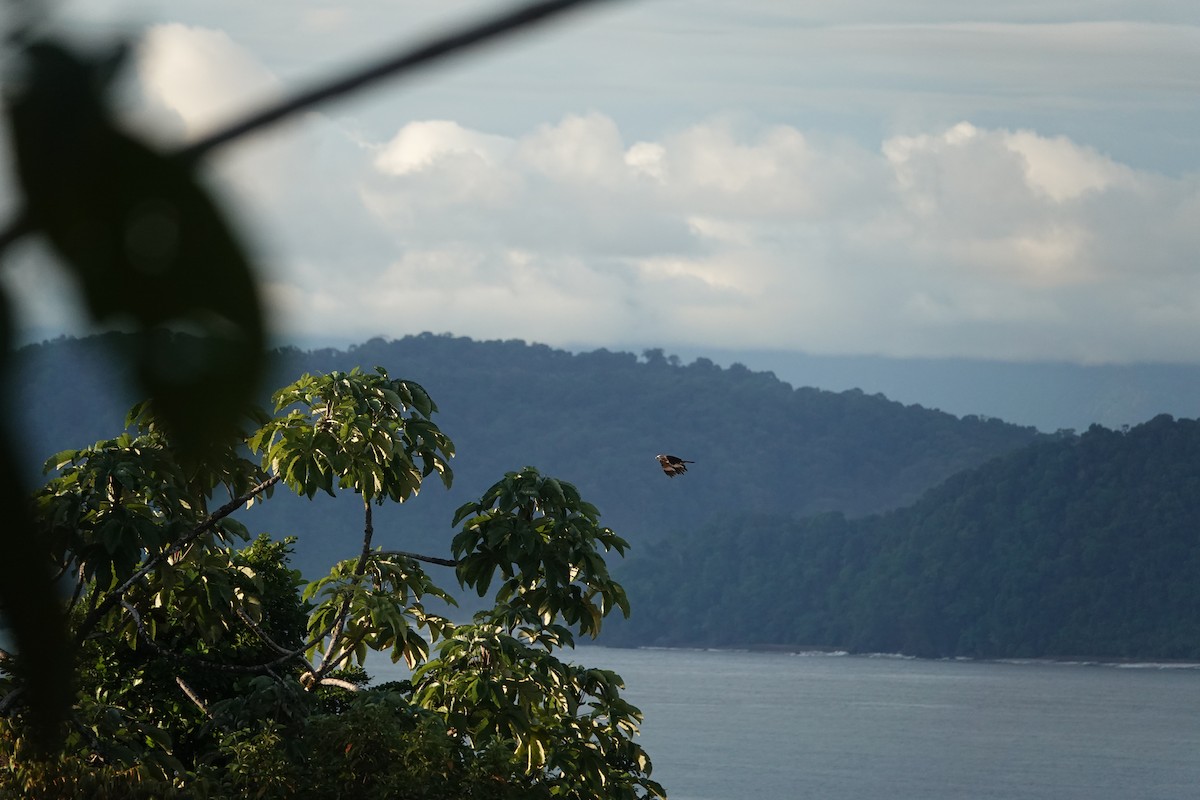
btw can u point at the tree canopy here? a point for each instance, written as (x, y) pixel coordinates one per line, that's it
(760, 445)
(1077, 546)
(151, 249)
(208, 667)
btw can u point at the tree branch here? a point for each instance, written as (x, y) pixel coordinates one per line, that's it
(80, 582)
(261, 634)
(115, 596)
(328, 665)
(445, 562)
(191, 695)
(332, 655)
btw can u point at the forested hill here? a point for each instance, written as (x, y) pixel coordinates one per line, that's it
(1080, 546)
(596, 419)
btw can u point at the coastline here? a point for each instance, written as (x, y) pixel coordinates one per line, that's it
(821, 651)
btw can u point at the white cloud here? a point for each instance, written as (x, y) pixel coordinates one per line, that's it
(706, 189)
(419, 144)
(201, 75)
(1063, 169)
(964, 241)
(584, 151)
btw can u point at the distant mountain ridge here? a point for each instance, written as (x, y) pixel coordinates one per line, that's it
(808, 518)
(1050, 396)
(1083, 546)
(596, 419)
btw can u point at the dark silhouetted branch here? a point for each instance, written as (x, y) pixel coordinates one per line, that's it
(445, 562)
(436, 49)
(392, 67)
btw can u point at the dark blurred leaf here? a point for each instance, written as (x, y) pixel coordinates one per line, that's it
(148, 245)
(27, 600)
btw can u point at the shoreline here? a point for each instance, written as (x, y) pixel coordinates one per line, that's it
(820, 651)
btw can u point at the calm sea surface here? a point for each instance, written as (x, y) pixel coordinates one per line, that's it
(728, 726)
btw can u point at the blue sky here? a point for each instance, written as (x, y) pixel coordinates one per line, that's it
(1014, 181)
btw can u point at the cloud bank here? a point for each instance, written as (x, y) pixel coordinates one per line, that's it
(959, 238)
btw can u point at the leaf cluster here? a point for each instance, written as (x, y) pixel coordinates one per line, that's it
(545, 541)
(381, 603)
(209, 666)
(152, 250)
(364, 432)
(568, 724)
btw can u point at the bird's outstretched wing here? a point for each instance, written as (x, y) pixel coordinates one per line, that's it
(673, 465)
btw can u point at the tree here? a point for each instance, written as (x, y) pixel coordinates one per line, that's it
(146, 243)
(204, 669)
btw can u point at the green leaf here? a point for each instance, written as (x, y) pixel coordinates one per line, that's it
(59, 460)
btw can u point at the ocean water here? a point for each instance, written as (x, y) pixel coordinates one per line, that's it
(723, 726)
(732, 725)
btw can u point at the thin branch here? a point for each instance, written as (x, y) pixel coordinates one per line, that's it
(285, 654)
(258, 631)
(438, 48)
(114, 597)
(62, 570)
(266, 666)
(143, 634)
(90, 735)
(80, 582)
(234, 504)
(191, 695)
(335, 653)
(330, 664)
(445, 562)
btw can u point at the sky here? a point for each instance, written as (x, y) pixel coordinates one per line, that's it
(936, 178)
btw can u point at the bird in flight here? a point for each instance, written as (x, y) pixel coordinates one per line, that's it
(672, 465)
